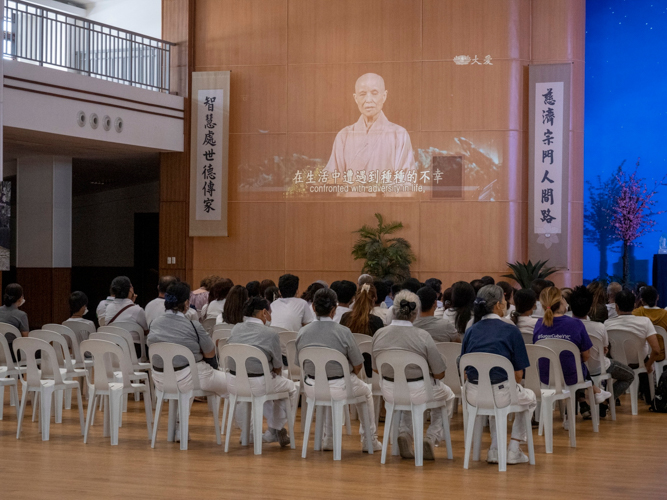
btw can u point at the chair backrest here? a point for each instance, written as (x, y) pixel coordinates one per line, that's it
(532, 378)
(450, 351)
(137, 333)
(6, 357)
(285, 337)
(597, 356)
(527, 338)
(6, 328)
(168, 351)
(49, 362)
(399, 360)
(220, 338)
(560, 346)
(73, 339)
(240, 353)
(319, 357)
(114, 339)
(208, 324)
(626, 345)
(292, 366)
(59, 343)
(125, 334)
(222, 327)
(278, 329)
(105, 354)
(83, 330)
(362, 337)
(367, 348)
(483, 362)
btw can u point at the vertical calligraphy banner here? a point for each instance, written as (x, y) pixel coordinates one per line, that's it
(209, 151)
(549, 155)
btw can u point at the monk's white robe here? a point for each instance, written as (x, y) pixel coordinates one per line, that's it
(385, 146)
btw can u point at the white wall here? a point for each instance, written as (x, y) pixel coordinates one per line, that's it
(103, 224)
(141, 16)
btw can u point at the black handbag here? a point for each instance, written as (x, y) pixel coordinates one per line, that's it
(213, 362)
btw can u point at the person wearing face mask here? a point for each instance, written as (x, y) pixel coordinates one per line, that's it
(254, 331)
(78, 308)
(10, 313)
(490, 334)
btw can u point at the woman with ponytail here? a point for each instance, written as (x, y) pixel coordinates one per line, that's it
(360, 319)
(402, 335)
(555, 325)
(492, 335)
(460, 312)
(174, 327)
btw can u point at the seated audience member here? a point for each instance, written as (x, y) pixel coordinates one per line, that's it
(102, 306)
(487, 280)
(253, 331)
(508, 290)
(175, 328)
(264, 285)
(436, 284)
(598, 310)
(581, 301)
(217, 297)
(463, 296)
(78, 308)
(124, 310)
(253, 289)
(199, 297)
(555, 325)
(411, 284)
(638, 293)
(446, 303)
(395, 288)
(363, 279)
(310, 292)
(12, 315)
(565, 297)
(155, 307)
(492, 335)
(477, 285)
(640, 326)
(288, 311)
(345, 291)
(440, 329)
(612, 290)
(232, 312)
(658, 316)
(401, 335)
(522, 316)
(381, 310)
(272, 294)
(537, 286)
(361, 318)
(325, 332)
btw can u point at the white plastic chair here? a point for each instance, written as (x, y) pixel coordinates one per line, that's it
(208, 324)
(450, 351)
(486, 405)
(67, 369)
(319, 357)
(559, 346)
(626, 345)
(240, 353)
(548, 395)
(74, 340)
(138, 336)
(597, 355)
(221, 327)
(285, 337)
(9, 373)
(294, 371)
(43, 382)
(527, 338)
(660, 366)
(367, 348)
(362, 337)
(399, 360)
(5, 330)
(82, 330)
(171, 392)
(106, 385)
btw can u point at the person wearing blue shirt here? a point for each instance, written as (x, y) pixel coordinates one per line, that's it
(490, 334)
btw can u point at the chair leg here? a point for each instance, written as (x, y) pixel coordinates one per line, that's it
(21, 412)
(91, 413)
(348, 423)
(418, 435)
(387, 430)
(445, 430)
(395, 427)
(148, 408)
(478, 431)
(79, 402)
(245, 428)
(365, 420)
(319, 425)
(68, 399)
(612, 399)
(529, 436)
(377, 404)
(291, 407)
(214, 403)
(116, 398)
(257, 408)
(184, 414)
(308, 421)
(58, 407)
(2, 400)
(45, 414)
(501, 433)
(223, 426)
(230, 419)
(171, 420)
(595, 414)
(634, 396)
(304, 410)
(470, 430)
(35, 404)
(572, 419)
(158, 409)
(337, 410)
(547, 419)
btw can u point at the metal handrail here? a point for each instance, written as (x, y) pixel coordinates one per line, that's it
(32, 33)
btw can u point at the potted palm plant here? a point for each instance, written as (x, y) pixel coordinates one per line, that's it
(525, 273)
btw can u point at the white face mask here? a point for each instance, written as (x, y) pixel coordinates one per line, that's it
(85, 312)
(268, 323)
(20, 302)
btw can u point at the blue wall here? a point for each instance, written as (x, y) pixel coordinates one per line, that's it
(626, 105)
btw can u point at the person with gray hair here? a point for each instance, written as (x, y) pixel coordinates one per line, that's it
(123, 309)
(402, 335)
(490, 334)
(612, 290)
(325, 332)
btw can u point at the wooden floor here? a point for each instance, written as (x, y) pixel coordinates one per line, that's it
(626, 459)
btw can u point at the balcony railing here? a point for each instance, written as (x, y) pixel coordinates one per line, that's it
(50, 38)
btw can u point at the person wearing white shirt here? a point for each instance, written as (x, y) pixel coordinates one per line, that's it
(123, 308)
(612, 290)
(381, 310)
(217, 297)
(525, 302)
(290, 312)
(345, 291)
(155, 307)
(640, 326)
(581, 301)
(78, 308)
(537, 287)
(102, 307)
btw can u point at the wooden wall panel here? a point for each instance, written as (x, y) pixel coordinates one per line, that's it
(174, 178)
(476, 27)
(251, 156)
(559, 30)
(240, 32)
(325, 31)
(173, 233)
(46, 291)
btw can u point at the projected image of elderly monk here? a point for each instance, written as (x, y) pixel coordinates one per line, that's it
(373, 142)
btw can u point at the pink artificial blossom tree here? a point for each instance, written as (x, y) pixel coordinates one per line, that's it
(632, 211)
